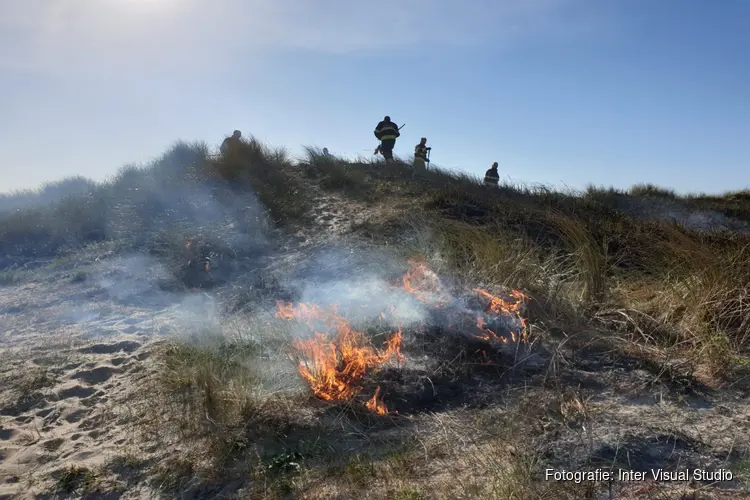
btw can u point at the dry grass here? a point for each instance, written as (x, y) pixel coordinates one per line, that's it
(677, 298)
(269, 172)
(597, 277)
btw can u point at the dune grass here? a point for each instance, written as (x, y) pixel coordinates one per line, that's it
(589, 264)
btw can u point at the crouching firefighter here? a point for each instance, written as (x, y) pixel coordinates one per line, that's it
(421, 156)
(387, 132)
(491, 177)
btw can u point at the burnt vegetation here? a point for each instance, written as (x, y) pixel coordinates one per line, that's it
(619, 305)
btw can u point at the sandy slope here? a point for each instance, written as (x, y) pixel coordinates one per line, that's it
(76, 417)
(74, 352)
(75, 340)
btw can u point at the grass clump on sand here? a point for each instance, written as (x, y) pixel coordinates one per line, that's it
(75, 479)
(229, 410)
(271, 175)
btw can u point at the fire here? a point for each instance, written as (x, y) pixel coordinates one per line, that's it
(393, 345)
(425, 285)
(337, 358)
(376, 404)
(335, 362)
(499, 306)
(422, 282)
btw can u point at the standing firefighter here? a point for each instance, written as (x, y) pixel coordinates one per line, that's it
(421, 156)
(387, 132)
(230, 143)
(491, 177)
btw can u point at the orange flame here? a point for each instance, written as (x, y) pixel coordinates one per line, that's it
(375, 404)
(422, 282)
(334, 363)
(335, 360)
(499, 306)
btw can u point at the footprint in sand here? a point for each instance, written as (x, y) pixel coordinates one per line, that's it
(11, 310)
(8, 434)
(19, 408)
(77, 391)
(75, 415)
(96, 376)
(82, 455)
(132, 326)
(142, 356)
(125, 346)
(118, 361)
(6, 453)
(49, 416)
(53, 444)
(92, 423)
(44, 412)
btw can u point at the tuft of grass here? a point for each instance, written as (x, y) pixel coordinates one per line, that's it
(651, 190)
(199, 378)
(408, 494)
(333, 173)
(271, 176)
(9, 277)
(588, 255)
(79, 276)
(130, 205)
(27, 385)
(75, 479)
(211, 397)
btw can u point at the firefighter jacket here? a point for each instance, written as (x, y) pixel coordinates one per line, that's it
(386, 130)
(420, 151)
(491, 176)
(229, 145)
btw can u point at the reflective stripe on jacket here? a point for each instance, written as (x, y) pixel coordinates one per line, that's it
(386, 130)
(491, 177)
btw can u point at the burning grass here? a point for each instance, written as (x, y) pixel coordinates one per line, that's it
(336, 358)
(334, 362)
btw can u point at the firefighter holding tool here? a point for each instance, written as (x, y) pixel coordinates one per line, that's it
(421, 156)
(387, 132)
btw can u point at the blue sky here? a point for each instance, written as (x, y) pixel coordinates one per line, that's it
(557, 91)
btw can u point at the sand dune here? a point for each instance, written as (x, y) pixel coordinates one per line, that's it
(77, 338)
(74, 352)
